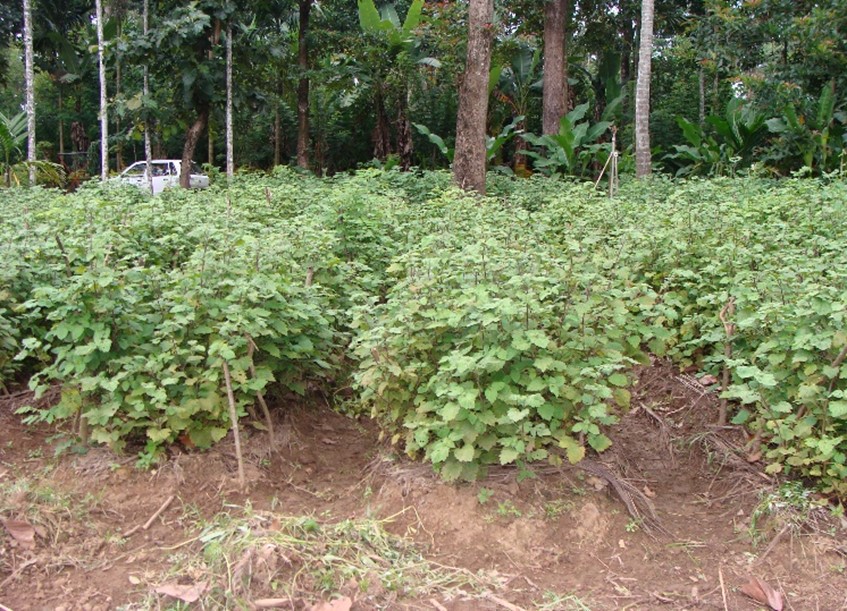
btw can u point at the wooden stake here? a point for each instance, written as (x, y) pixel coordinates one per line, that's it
(233, 417)
(729, 328)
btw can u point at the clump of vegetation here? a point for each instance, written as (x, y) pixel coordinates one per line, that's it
(476, 334)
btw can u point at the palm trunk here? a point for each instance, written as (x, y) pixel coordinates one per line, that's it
(230, 163)
(192, 137)
(303, 86)
(555, 80)
(469, 159)
(642, 92)
(148, 152)
(29, 78)
(104, 125)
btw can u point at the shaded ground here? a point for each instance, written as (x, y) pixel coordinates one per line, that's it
(566, 538)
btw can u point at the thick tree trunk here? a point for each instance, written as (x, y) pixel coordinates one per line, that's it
(555, 78)
(104, 117)
(469, 159)
(303, 86)
(642, 92)
(192, 137)
(230, 162)
(29, 86)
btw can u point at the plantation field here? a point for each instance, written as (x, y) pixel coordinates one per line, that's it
(681, 346)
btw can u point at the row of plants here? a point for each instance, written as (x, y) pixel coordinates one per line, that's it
(476, 332)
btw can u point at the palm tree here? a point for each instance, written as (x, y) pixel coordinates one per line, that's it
(104, 118)
(642, 92)
(29, 80)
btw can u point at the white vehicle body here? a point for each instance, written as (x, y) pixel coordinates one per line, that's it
(165, 175)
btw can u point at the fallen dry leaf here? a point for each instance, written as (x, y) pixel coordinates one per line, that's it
(134, 580)
(22, 532)
(708, 380)
(761, 592)
(648, 492)
(187, 593)
(339, 604)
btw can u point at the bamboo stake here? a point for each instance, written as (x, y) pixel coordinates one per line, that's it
(233, 417)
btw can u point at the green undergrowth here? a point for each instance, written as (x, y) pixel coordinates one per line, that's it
(476, 331)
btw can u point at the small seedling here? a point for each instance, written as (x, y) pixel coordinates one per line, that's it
(484, 495)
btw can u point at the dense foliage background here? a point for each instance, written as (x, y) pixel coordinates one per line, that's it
(735, 84)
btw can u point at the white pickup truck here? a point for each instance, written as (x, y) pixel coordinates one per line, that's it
(165, 175)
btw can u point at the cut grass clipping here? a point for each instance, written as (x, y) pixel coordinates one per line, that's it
(263, 555)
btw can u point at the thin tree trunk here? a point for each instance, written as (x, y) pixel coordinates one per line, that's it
(148, 152)
(303, 86)
(554, 90)
(642, 92)
(61, 124)
(469, 159)
(701, 82)
(29, 78)
(277, 125)
(230, 163)
(119, 149)
(192, 137)
(404, 133)
(104, 125)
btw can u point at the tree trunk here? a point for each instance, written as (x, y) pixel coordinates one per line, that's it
(469, 159)
(148, 152)
(61, 124)
(192, 137)
(404, 133)
(119, 150)
(303, 86)
(642, 92)
(230, 163)
(701, 82)
(277, 124)
(29, 78)
(104, 117)
(555, 78)
(382, 132)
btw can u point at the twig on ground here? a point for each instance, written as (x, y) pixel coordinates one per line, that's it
(503, 603)
(438, 606)
(17, 572)
(152, 518)
(723, 588)
(774, 541)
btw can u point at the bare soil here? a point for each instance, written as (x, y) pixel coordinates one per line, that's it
(559, 538)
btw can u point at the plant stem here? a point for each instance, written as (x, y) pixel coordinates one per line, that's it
(233, 417)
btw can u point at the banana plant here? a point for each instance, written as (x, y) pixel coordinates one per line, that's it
(493, 144)
(732, 143)
(574, 147)
(12, 136)
(815, 139)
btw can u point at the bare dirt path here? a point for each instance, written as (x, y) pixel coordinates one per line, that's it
(560, 538)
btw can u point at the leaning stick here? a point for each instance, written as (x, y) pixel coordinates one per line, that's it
(233, 417)
(729, 328)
